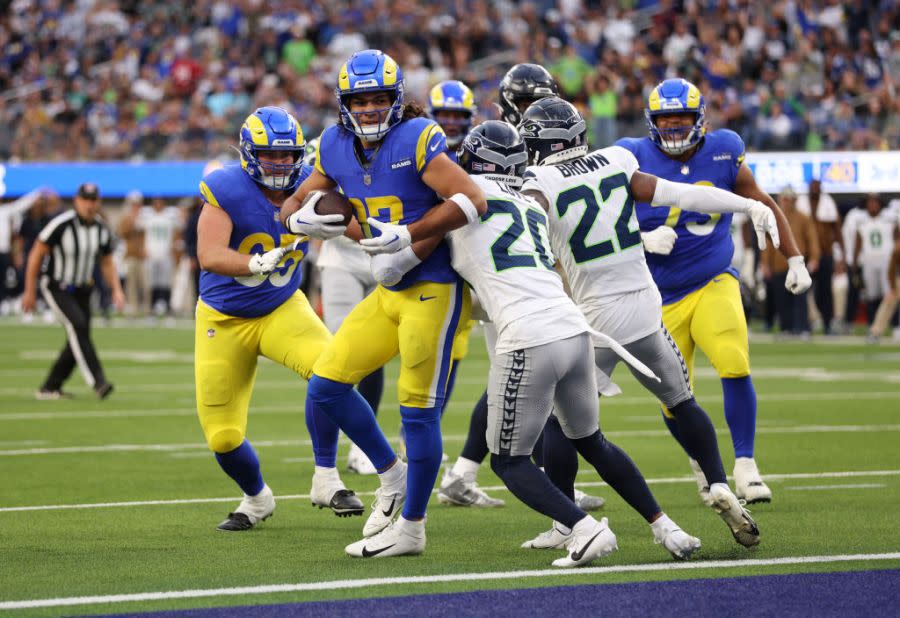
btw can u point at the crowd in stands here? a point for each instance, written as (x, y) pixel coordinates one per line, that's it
(108, 79)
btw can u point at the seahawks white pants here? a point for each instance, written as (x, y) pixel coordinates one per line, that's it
(342, 290)
(659, 352)
(525, 384)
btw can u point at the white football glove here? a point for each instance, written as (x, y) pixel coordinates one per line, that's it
(388, 268)
(764, 222)
(798, 279)
(308, 222)
(392, 239)
(661, 240)
(264, 263)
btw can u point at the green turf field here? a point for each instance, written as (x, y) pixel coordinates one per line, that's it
(827, 443)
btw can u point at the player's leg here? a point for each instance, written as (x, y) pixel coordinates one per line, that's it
(720, 329)
(341, 291)
(676, 318)
(341, 365)
(294, 336)
(225, 351)
(576, 408)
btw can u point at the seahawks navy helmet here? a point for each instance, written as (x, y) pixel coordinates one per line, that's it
(554, 131)
(521, 86)
(494, 149)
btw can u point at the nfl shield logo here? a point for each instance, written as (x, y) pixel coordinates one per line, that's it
(211, 333)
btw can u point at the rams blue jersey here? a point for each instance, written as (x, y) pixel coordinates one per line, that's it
(256, 230)
(391, 188)
(704, 248)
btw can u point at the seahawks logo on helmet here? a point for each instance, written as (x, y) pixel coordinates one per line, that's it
(494, 149)
(272, 129)
(553, 131)
(521, 86)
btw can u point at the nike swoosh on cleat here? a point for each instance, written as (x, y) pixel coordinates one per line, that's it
(368, 554)
(390, 510)
(423, 298)
(578, 555)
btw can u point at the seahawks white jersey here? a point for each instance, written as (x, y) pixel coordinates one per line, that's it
(505, 256)
(593, 228)
(877, 234)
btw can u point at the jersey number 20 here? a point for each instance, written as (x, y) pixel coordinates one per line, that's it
(500, 250)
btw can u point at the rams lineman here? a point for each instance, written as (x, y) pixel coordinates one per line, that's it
(250, 305)
(689, 255)
(391, 163)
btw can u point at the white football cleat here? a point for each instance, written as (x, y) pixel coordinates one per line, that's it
(455, 490)
(593, 541)
(358, 462)
(399, 538)
(748, 484)
(702, 484)
(742, 526)
(588, 503)
(386, 506)
(553, 538)
(251, 511)
(678, 542)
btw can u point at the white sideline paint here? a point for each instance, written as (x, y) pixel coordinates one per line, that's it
(658, 481)
(345, 584)
(852, 486)
(461, 404)
(627, 433)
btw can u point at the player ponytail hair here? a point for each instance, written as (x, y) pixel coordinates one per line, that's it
(412, 109)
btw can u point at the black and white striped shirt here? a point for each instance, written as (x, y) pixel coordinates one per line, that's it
(75, 246)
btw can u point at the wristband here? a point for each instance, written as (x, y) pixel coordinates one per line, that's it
(465, 204)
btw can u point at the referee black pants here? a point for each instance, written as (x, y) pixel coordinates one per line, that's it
(73, 309)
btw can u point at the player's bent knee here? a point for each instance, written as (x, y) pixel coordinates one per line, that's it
(323, 391)
(502, 463)
(731, 361)
(225, 440)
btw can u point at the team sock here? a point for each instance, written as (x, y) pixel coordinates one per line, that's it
(348, 410)
(242, 465)
(617, 469)
(560, 458)
(698, 433)
(740, 413)
(466, 468)
(324, 435)
(535, 489)
(423, 456)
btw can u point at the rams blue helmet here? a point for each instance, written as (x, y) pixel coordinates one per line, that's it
(554, 131)
(452, 96)
(370, 70)
(676, 96)
(272, 129)
(494, 149)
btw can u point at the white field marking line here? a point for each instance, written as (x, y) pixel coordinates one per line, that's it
(628, 433)
(851, 486)
(137, 356)
(461, 404)
(22, 442)
(658, 481)
(344, 584)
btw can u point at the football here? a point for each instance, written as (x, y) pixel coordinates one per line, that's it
(334, 203)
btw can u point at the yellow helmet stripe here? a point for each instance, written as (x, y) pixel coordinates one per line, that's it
(344, 78)
(257, 130)
(468, 98)
(390, 71)
(693, 97)
(653, 102)
(437, 96)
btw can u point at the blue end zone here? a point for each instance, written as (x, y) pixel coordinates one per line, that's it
(857, 593)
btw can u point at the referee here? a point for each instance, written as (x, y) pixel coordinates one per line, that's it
(65, 253)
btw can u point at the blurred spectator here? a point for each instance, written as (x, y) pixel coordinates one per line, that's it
(824, 213)
(96, 79)
(792, 310)
(137, 290)
(162, 228)
(10, 216)
(875, 236)
(887, 310)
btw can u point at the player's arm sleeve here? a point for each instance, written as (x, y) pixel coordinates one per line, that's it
(207, 194)
(431, 143)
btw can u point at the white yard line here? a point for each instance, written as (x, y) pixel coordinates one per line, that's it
(454, 404)
(627, 433)
(346, 584)
(657, 481)
(850, 486)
